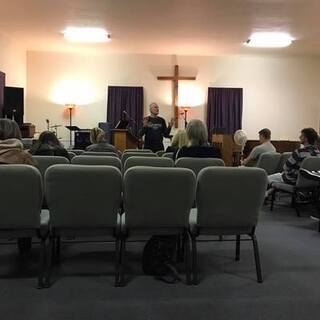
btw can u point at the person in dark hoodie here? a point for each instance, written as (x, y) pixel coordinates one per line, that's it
(48, 145)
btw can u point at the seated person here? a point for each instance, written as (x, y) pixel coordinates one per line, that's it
(99, 144)
(179, 140)
(11, 152)
(48, 145)
(265, 146)
(11, 147)
(308, 139)
(198, 146)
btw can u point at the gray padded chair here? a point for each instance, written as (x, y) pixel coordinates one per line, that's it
(44, 162)
(97, 160)
(160, 153)
(302, 185)
(148, 162)
(283, 158)
(228, 203)
(137, 150)
(167, 217)
(20, 207)
(77, 151)
(168, 155)
(83, 201)
(92, 153)
(197, 164)
(269, 161)
(128, 155)
(71, 154)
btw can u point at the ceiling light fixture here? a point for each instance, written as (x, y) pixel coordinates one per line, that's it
(269, 40)
(89, 35)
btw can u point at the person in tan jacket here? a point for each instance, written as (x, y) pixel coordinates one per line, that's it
(11, 147)
(11, 152)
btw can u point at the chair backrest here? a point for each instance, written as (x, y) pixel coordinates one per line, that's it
(137, 150)
(168, 155)
(97, 160)
(197, 164)
(77, 151)
(160, 153)
(230, 197)
(158, 197)
(71, 154)
(147, 162)
(128, 155)
(20, 196)
(44, 162)
(96, 153)
(311, 164)
(283, 158)
(83, 196)
(269, 161)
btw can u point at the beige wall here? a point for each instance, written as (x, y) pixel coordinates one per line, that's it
(279, 93)
(13, 61)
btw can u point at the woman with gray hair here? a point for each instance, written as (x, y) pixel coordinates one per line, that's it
(198, 146)
(11, 147)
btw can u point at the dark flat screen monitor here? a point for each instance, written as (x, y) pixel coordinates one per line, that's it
(122, 124)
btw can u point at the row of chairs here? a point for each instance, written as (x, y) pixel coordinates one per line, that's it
(99, 200)
(131, 160)
(273, 162)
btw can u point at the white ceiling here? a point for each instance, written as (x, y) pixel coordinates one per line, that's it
(193, 27)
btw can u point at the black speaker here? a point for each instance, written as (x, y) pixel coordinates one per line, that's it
(81, 139)
(13, 104)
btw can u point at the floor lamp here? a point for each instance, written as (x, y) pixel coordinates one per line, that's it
(70, 106)
(184, 113)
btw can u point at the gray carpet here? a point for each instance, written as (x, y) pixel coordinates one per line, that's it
(83, 288)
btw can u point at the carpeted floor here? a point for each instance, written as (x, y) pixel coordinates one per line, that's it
(83, 288)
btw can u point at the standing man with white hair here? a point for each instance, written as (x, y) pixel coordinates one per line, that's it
(155, 129)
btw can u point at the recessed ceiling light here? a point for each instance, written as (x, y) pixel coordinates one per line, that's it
(269, 40)
(89, 35)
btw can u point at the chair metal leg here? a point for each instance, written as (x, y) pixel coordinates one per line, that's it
(194, 260)
(42, 263)
(238, 247)
(57, 249)
(121, 281)
(118, 261)
(187, 257)
(295, 204)
(257, 258)
(47, 283)
(273, 197)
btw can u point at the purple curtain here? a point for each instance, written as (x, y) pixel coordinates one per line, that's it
(224, 112)
(128, 99)
(2, 84)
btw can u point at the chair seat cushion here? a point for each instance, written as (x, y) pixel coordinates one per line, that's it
(203, 230)
(147, 231)
(90, 232)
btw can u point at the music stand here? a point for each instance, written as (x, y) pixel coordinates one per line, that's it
(72, 128)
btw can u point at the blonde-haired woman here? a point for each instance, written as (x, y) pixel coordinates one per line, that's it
(99, 143)
(198, 146)
(179, 140)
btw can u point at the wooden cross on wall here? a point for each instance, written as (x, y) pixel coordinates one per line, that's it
(175, 79)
